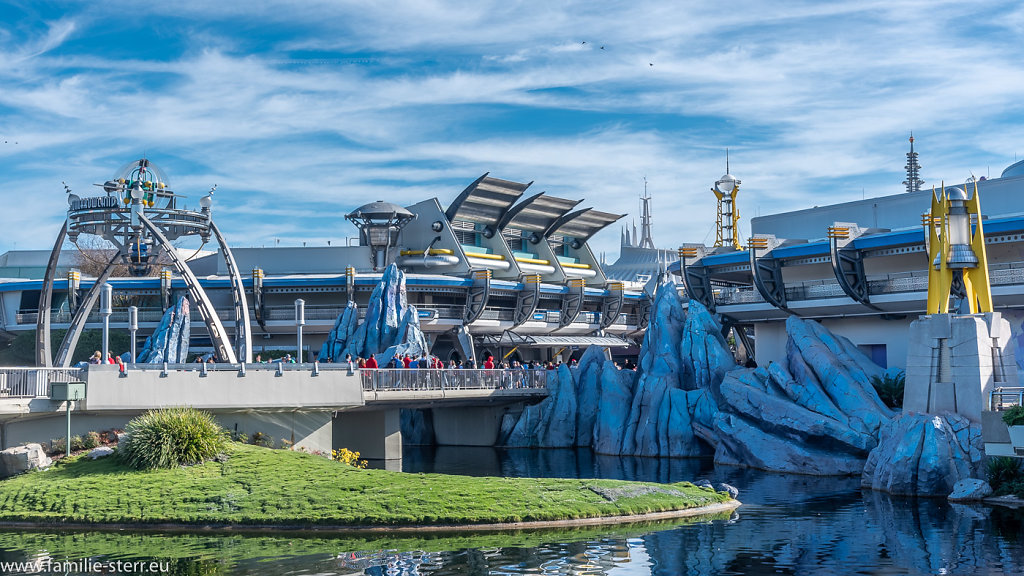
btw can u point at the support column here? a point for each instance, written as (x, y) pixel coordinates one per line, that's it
(375, 434)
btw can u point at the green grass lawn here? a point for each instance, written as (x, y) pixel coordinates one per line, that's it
(279, 487)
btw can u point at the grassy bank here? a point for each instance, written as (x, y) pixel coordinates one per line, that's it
(258, 486)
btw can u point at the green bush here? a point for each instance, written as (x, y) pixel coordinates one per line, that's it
(890, 388)
(57, 446)
(77, 443)
(90, 440)
(1003, 473)
(1014, 416)
(171, 437)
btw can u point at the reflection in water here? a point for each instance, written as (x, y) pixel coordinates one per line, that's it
(788, 524)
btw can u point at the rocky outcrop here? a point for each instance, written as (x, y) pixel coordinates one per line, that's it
(924, 454)
(820, 416)
(169, 342)
(391, 325)
(20, 459)
(658, 411)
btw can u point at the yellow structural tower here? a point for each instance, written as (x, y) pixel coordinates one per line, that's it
(955, 251)
(727, 230)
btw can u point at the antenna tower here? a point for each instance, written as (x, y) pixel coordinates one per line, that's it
(646, 239)
(913, 183)
(727, 228)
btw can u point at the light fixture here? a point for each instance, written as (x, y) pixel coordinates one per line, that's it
(726, 184)
(206, 202)
(136, 192)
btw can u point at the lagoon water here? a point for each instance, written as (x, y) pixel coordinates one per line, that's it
(787, 525)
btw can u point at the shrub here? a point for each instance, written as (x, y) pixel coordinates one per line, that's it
(171, 437)
(90, 440)
(346, 456)
(1003, 473)
(56, 447)
(240, 438)
(890, 388)
(261, 439)
(77, 443)
(1014, 416)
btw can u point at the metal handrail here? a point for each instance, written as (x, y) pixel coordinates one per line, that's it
(412, 379)
(1005, 397)
(34, 382)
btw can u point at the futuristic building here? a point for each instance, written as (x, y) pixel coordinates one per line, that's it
(861, 268)
(492, 273)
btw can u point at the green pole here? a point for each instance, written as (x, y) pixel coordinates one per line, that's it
(67, 439)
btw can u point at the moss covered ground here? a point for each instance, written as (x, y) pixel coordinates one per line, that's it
(259, 486)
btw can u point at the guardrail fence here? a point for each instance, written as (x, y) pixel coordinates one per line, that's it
(391, 379)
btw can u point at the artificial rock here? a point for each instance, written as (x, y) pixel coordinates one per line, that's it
(169, 342)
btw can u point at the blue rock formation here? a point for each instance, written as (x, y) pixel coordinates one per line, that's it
(391, 325)
(169, 342)
(821, 416)
(654, 412)
(924, 454)
(334, 347)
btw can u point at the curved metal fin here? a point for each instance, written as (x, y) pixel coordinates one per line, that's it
(70, 342)
(218, 337)
(243, 331)
(45, 300)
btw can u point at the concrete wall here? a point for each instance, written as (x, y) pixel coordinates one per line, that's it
(309, 430)
(375, 434)
(294, 389)
(468, 426)
(999, 197)
(771, 337)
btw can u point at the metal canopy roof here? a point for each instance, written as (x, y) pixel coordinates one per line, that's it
(508, 338)
(581, 224)
(486, 200)
(537, 213)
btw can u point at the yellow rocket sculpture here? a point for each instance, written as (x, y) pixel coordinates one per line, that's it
(955, 252)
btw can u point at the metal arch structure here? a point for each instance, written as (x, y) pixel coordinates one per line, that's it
(139, 215)
(219, 338)
(43, 357)
(67, 346)
(243, 333)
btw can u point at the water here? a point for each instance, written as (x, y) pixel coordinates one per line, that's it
(788, 524)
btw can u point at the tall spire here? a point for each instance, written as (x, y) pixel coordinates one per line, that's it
(913, 183)
(646, 240)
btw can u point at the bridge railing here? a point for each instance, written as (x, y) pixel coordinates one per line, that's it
(391, 379)
(34, 382)
(1005, 397)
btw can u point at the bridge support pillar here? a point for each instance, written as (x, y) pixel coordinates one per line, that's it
(375, 434)
(468, 426)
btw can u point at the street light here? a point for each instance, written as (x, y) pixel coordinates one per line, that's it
(960, 253)
(133, 327)
(300, 321)
(106, 296)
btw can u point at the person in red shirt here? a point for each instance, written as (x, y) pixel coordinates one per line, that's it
(371, 363)
(407, 361)
(489, 363)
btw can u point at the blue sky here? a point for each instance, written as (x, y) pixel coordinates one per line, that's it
(300, 112)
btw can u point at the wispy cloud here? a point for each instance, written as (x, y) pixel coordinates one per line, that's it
(301, 113)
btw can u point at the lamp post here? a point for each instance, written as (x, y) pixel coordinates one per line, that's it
(133, 327)
(106, 296)
(300, 321)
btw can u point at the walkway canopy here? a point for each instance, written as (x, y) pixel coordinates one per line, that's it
(509, 338)
(581, 224)
(537, 213)
(485, 201)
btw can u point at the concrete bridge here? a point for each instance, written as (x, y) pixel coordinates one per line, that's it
(318, 407)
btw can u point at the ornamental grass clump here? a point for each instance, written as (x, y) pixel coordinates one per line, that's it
(171, 437)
